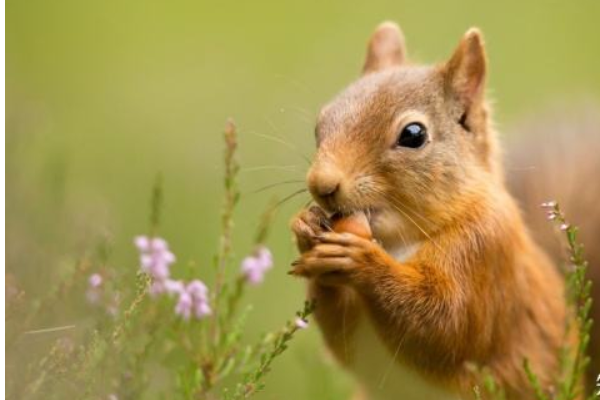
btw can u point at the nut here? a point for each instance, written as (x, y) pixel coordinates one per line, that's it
(356, 224)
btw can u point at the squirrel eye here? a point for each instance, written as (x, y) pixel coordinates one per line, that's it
(412, 135)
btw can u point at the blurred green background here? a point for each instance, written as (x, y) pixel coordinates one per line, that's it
(103, 95)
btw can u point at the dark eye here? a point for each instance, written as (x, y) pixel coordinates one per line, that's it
(413, 135)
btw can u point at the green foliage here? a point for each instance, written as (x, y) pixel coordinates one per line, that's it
(254, 382)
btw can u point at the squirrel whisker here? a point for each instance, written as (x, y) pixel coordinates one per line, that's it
(289, 197)
(273, 185)
(289, 145)
(264, 167)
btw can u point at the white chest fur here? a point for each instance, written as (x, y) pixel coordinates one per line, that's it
(403, 253)
(378, 370)
(383, 377)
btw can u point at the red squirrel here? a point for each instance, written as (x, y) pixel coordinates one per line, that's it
(451, 280)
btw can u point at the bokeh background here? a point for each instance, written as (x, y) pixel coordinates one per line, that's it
(102, 95)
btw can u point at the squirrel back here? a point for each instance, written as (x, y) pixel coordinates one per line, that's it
(554, 155)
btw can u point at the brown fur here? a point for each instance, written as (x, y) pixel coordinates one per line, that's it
(478, 291)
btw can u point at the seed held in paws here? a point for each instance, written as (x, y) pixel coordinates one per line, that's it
(356, 224)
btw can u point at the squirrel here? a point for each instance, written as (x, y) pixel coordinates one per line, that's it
(452, 280)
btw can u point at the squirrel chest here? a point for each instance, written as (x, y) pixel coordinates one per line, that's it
(379, 371)
(383, 377)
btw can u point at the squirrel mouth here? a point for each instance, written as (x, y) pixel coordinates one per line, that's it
(370, 213)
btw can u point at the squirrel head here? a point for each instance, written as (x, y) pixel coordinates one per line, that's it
(405, 142)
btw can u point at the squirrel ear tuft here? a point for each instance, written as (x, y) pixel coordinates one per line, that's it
(386, 48)
(465, 73)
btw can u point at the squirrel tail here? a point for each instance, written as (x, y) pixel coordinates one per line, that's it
(555, 155)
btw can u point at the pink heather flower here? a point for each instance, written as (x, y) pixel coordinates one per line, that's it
(156, 288)
(202, 309)
(193, 298)
(255, 266)
(551, 216)
(168, 286)
(173, 287)
(301, 323)
(156, 260)
(154, 266)
(146, 244)
(94, 291)
(197, 289)
(95, 280)
(199, 292)
(564, 227)
(184, 305)
(142, 243)
(155, 257)
(549, 204)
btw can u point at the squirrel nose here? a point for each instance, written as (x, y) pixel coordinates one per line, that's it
(326, 189)
(324, 182)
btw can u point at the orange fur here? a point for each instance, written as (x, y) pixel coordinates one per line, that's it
(477, 291)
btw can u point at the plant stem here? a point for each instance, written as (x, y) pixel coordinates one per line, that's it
(579, 301)
(231, 199)
(253, 382)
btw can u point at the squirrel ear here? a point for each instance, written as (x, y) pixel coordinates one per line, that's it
(386, 48)
(465, 73)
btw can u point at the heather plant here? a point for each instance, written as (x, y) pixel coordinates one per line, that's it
(193, 329)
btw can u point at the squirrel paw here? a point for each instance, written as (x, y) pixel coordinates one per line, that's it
(338, 258)
(307, 225)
